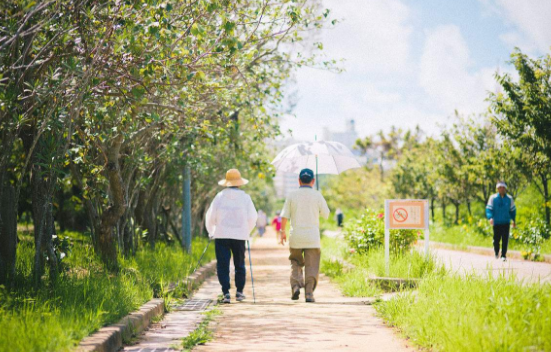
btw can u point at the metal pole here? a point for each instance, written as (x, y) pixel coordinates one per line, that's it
(387, 252)
(317, 181)
(427, 228)
(186, 210)
(427, 242)
(251, 266)
(387, 237)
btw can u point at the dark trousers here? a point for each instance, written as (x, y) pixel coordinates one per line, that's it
(225, 248)
(501, 232)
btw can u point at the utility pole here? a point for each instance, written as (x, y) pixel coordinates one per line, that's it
(186, 210)
(317, 181)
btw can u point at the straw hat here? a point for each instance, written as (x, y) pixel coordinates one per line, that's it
(233, 178)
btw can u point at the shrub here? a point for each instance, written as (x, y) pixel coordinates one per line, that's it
(533, 236)
(368, 232)
(484, 228)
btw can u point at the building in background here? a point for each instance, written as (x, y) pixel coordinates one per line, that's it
(285, 183)
(347, 137)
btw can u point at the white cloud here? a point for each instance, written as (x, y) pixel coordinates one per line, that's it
(531, 18)
(372, 95)
(372, 36)
(446, 76)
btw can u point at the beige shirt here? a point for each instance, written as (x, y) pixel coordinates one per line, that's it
(303, 208)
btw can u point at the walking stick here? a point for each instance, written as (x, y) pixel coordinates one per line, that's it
(251, 265)
(202, 255)
(189, 288)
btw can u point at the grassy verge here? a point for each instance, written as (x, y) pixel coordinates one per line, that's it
(202, 334)
(353, 281)
(453, 313)
(84, 297)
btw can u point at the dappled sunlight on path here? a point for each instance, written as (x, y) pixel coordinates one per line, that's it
(276, 323)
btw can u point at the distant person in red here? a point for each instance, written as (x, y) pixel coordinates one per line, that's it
(276, 223)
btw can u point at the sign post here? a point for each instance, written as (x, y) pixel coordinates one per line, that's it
(405, 214)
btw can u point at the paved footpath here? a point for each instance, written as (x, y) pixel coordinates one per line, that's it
(166, 335)
(464, 262)
(276, 323)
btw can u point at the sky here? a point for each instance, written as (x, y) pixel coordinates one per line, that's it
(413, 62)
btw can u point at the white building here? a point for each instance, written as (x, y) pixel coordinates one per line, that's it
(347, 137)
(285, 183)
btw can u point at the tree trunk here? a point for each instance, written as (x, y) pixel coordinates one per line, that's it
(106, 241)
(49, 233)
(39, 205)
(469, 208)
(128, 239)
(91, 211)
(443, 211)
(8, 232)
(456, 205)
(545, 182)
(432, 208)
(150, 220)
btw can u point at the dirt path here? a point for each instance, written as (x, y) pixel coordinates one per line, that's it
(275, 323)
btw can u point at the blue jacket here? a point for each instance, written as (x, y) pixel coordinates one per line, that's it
(501, 209)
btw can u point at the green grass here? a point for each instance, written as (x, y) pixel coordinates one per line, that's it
(85, 297)
(202, 334)
(353, 281)
(453, 313)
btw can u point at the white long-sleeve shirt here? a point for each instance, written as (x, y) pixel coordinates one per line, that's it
(231, 215)
(303, 208)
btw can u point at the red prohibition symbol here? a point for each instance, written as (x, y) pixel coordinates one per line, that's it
(400, 215)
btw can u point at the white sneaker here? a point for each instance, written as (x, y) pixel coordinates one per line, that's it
(503, 259)
(239, 296)
(226, 298)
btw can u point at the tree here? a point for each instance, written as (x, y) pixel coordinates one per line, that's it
(109, 101)
(390, 146)
(413, 175)
(522, 113)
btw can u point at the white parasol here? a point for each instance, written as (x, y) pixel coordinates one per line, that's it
(321, 156)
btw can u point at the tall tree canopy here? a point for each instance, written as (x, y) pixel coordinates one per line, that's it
(103, 103)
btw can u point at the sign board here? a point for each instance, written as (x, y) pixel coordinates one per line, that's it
(405, 214)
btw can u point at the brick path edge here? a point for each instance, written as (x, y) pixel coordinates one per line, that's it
(110, 338)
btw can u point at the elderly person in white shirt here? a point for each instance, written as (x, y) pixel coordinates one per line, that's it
(230, 219)
(303, 208)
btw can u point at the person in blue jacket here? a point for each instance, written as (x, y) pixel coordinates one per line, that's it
(501, 211)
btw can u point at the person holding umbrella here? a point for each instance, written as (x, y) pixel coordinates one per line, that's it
(230, 219)
(303, 208)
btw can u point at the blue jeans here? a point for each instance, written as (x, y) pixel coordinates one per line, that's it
(225, 248)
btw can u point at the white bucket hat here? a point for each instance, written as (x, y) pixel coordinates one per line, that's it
(501, 184)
